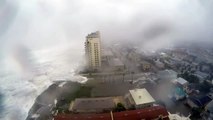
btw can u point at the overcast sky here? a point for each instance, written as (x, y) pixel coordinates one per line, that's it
(44, 24)
(38, 24)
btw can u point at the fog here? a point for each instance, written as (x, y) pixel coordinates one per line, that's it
(42, 23)
(33, 32)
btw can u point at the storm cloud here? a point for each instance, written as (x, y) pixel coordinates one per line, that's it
(42, 23)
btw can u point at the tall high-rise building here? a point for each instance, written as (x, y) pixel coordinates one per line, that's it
(93, 50)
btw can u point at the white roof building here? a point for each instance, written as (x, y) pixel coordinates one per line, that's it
(181, 81)
(140, 98)
(178, 117)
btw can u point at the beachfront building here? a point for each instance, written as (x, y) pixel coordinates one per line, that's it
(150, 113)
(93, 50)
(139, 98)
(92, 105)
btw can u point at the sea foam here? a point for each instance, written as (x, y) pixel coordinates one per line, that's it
(19, 88)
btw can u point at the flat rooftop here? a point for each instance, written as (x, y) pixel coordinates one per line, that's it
(167, 72)
(141, 114)
(93, 103)
(181, 81)
(141, 96)
(116, 62)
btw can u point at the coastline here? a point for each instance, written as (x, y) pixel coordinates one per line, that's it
(96, 87)
(45, 102)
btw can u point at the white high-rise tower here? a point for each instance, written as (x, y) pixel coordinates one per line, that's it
(93, 50)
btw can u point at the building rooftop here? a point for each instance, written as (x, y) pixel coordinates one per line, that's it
(93, 103)
(94, 35)
(209, 106)
(178, 117)
(201, 101)
(167, 72)
(141, 114)
(141, 96)
(201, 75)
(181, 81)
(116, 62)
(150, 113)
(158, 62)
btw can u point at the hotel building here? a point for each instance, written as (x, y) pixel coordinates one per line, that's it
(93, 50)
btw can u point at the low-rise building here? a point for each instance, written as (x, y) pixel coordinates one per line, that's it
(139, 98)
(167, 75)
(107, 55)
(116, 64)
(198, 102)
(201, 75)
(151, 113)
(181, 82)
(133, 56)
(205, 68)
(159, 64)
(193, 88)
(178, 117)
(178, 93)
(92, 105)
(179, 53)
(144, 65)
(208, 113)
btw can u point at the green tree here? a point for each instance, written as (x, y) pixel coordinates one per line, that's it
(120, 107)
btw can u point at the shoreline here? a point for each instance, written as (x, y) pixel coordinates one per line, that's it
(96, 87)
(45, 102)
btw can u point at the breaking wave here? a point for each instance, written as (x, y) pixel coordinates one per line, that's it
(25, 75)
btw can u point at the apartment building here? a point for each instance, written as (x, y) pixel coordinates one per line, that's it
(93, 50)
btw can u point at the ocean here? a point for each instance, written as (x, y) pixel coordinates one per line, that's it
(25, 75)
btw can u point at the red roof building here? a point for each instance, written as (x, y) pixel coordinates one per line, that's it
(141, 114)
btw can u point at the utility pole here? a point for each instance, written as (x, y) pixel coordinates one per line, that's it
(123, 76)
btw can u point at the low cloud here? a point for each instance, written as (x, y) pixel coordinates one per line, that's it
(40, 24)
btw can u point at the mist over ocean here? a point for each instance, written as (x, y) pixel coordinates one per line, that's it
(19, 89)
